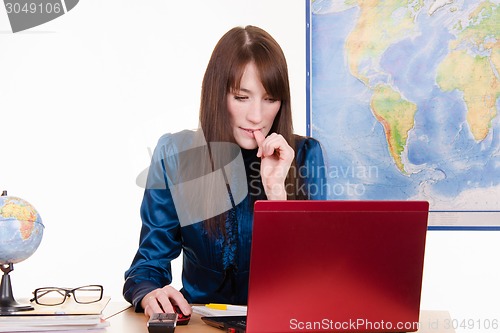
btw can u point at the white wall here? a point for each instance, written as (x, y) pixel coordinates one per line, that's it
(82, 100)
(85, 97)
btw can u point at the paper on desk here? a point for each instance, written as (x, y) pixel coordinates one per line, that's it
(52, 323)
(69, 307)
(67, 317)
(204, 311)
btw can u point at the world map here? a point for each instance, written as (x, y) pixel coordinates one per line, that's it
(405, 97)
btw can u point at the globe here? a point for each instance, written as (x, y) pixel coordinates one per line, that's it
(21, 231)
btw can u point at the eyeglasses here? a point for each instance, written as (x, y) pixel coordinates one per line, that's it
(57, 296)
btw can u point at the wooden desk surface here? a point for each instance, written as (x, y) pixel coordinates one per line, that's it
(128, 321)
(123, 319)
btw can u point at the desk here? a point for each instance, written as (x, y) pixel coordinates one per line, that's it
(123, 319)
(128, 321)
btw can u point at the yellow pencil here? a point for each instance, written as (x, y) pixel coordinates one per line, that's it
(228, 307)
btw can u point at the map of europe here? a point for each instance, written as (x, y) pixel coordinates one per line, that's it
(405, 98)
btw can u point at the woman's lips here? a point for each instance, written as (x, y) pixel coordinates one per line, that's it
(249, 131)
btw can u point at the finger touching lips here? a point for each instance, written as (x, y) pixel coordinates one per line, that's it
(259, 137)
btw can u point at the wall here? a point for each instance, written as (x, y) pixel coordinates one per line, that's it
(83, 100)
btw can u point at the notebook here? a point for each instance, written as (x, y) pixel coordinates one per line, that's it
(334, 266)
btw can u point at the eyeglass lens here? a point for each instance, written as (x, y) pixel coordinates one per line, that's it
(88, 294)
(50, 296)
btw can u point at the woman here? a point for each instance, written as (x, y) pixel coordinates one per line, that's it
(245, 101)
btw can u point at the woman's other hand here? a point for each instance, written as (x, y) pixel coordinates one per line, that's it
(162, 300)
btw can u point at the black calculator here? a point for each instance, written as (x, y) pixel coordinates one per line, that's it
(162, 323)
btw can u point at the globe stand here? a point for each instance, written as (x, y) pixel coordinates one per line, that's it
(7, 302)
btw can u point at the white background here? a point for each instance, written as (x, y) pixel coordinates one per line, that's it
(83, 100)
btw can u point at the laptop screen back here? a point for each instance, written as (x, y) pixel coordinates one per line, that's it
(347, 266)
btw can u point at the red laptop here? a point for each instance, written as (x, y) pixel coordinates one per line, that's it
(335, 266)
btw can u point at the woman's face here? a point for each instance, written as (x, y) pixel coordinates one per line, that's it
(251, 108)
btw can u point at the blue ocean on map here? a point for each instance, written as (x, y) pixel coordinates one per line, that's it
(442, 159)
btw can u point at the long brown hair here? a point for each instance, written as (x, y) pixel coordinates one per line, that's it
(238, 47)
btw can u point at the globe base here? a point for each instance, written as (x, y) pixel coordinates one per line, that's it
(14, 307)
(7, 302)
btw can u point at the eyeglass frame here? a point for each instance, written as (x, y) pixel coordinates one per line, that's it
(67, 294)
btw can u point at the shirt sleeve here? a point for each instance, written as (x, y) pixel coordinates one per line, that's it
(311, 169)
(160, 237)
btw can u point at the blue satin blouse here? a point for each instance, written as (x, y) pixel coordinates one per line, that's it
(207, 277)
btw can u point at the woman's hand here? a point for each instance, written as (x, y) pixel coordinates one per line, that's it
(276, 157)
(162, 300)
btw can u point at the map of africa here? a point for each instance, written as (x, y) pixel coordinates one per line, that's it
(405, 98)
(24, 213)
(21, 230)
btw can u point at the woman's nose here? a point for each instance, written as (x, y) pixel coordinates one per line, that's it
(254, 113)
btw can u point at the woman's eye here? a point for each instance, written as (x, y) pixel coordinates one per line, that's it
(240, 98)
